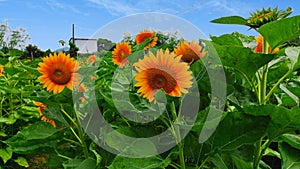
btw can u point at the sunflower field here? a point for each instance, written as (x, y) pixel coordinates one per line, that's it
(159, 101)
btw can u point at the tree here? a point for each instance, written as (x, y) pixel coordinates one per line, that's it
(12, 39)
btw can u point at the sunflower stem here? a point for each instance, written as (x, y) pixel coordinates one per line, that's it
(262, 89)
(81, 136)
(179, 142)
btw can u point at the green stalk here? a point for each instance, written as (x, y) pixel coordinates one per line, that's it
(179, 142)
(262, 89)
(277, 84)
(80, 135)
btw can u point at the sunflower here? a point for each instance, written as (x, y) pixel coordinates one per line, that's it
(91, 59)
(58, 71)
(41, 108)
(259, 46)
(120, 53)
(191, 52)
(162, 71)
(1, 70)
(144, 35)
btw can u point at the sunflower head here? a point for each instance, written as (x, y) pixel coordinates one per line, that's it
(58, 71)
(190, 52)
(264, 16)
(120, 53)
(1, 70)
(144, 35)
(162, 71)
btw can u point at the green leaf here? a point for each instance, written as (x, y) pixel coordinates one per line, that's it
(289, 93)
(231, 20)
(238, 129)
(2, 134)
(125, 145)
(72, 164)
(6, 154)
(241, 164)
(243, 156)
(54, 161)
(277, 68)
(22, 162)
(272, 153)
(87, 163)
(227, 39)
(290, 156)
(10, 120)
(292, 139)
(282, 119)
(218, 161)
(155, 162)
(242, 59)
(293, 53)
(39, 137)
(278, 32)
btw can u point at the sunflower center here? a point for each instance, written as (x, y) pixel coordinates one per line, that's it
(189, 55)
(59, 74)
(122, 54)
(160, 79)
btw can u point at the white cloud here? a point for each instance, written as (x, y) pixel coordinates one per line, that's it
(66, 7)
(177, 7)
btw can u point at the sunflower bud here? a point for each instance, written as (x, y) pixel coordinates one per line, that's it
(264, 16)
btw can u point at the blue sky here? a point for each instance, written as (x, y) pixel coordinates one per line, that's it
(48, 21)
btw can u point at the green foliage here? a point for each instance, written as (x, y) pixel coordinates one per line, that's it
(262, 106)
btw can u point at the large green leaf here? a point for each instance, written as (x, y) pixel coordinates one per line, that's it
(218, 161)
(281, 31)
(227, 39)
(119, 141)
(290, 156)
(87, 163)
(293, 53)
(282, 119)
(231, 20)
(72, 164)
(155, 162)
(292, 139)
(243, 157)
(34, 139)
(242, 59)
(238, 129)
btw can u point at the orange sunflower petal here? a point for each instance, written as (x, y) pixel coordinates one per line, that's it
(1, 70)
(260, 45)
